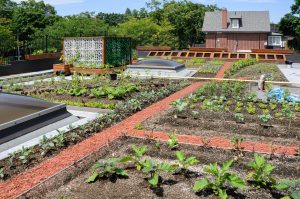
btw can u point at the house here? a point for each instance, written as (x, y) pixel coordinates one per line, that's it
(240, 31)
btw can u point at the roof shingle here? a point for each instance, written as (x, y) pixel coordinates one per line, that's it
(251, 21)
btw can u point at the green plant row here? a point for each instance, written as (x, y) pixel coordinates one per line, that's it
(239, 65)
(260, 173)
(49, 145)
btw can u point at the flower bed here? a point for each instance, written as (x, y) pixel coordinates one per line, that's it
(149, 169)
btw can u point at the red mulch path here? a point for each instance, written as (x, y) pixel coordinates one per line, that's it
(24, 181)
(224, 68)
(218, 142)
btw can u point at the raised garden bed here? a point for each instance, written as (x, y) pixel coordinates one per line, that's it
(229, 110)
(103, 71)
(132, 96)
(43, 56)
(174, 183)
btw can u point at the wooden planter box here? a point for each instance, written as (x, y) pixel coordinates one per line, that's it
(43, 56)
(66, 68)
(102, 71)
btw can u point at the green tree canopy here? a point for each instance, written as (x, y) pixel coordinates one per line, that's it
(31, 16)
(76, 25)
(146, 32)
(290, 25)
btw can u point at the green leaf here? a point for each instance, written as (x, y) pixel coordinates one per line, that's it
(121, 172)
(281, 186)
(180, 156)
(268, 168)
(165, 167)
(154, 180)
(212, 169)
(92, 178)
(259, 160)
(201, 184)
(295, 194)
(226, 165)
(192, 161)
(222, 193)
(126, 159)
(236, 181)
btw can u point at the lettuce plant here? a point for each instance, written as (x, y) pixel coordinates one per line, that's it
(2, 173)
(221, 176)
(261, 171)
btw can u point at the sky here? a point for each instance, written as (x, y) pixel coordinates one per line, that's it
(277, 8)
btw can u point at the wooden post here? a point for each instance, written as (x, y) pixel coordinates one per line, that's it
(103, 50)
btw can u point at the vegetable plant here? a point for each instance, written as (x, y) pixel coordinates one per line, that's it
(136, 158)
(173, 141)
(261, 171)
(46, 145)
(239, 117)
(265, 118)
(153, 168)
(292, 186)
(2, 173)
(106, 168)
(185, 162)
(237, 142)
(221, 176)
(25, 155)
(179, 106)
(139, 126)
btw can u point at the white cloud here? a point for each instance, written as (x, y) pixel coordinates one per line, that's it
(59, 2)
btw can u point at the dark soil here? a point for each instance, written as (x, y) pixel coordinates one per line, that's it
(71, 182)
(219, 124)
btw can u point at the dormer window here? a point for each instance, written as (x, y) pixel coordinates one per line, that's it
(235, 23)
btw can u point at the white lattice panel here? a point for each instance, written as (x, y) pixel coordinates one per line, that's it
(88, 48)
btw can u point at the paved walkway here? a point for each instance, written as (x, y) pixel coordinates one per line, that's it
(292, 74)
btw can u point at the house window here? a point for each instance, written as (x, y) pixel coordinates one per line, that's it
(274, 41)
(235, 23)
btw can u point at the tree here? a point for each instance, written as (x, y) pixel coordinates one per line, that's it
(31, 16)
(76, 25)
(7, 8)
(112, 19)
(186, 17)
(290, 25)
(146, 32)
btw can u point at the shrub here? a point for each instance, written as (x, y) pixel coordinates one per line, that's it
(221, 177)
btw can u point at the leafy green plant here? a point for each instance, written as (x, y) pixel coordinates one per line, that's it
(262, 106)
(77, 92)
(173, 141)
(292, 186)
(106, 168)
(185, 162)
(239, 117)
(153, 168)
(237, 142)
(25, 154)
(221, 176)
(136, 158)
(251, 97)
(265, 118)
(179, 105)
(59, 140)
(139, 126)
(261, 171)
(239, 65)
(46, 145)
(2, 174)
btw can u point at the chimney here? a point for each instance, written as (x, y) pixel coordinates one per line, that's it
(224, 18)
